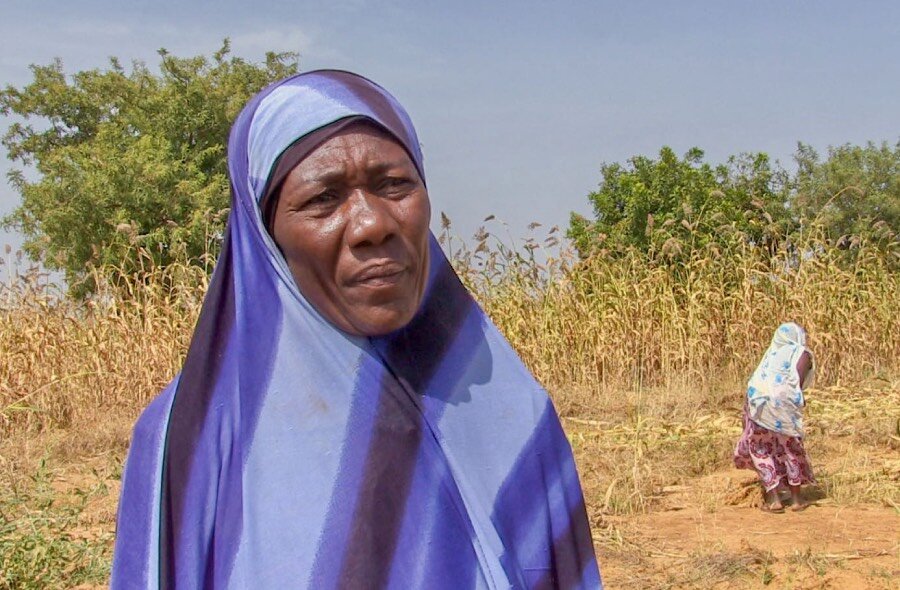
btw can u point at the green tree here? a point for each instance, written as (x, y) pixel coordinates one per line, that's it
(672, 204)
(855, 191)
(127, 164)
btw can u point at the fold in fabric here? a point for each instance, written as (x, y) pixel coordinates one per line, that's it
(288, 454)
(774, 396)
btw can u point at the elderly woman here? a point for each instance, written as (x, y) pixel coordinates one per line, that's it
(772, 440)
(347, 417)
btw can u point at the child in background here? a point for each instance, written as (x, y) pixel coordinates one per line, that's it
(772, 440)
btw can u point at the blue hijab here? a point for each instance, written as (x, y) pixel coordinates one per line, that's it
(288, 454)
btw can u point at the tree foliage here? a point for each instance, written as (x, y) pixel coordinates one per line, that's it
(664, 203)
(671, 205)
(855, 191)
(127, 164)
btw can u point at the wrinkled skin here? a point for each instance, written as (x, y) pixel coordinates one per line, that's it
(352, 222)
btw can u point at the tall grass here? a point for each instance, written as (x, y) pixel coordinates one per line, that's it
(648, 319)
(584, 327)
(65, 359)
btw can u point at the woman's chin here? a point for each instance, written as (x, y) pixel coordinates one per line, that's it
(377, 309)
(379, 320)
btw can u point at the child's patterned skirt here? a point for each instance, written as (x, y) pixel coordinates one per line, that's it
(776, 458)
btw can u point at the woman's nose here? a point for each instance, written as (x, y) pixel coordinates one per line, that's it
(371, 221)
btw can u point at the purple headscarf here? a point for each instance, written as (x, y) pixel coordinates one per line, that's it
(288, 454)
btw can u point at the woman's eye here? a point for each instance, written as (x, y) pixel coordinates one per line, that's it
(320, 200)
(395, 184)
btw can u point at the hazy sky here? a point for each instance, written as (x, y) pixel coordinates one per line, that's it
(518, 104)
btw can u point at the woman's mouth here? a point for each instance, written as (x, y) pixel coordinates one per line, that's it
(381, 274)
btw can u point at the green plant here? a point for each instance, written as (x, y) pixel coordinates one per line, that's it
(40, 546)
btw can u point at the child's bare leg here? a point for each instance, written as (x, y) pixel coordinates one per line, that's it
(771, 501)
(797, 501)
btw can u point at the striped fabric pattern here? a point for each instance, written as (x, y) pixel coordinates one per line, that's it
(288, 454)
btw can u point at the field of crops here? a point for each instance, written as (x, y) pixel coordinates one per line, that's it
(644, 356)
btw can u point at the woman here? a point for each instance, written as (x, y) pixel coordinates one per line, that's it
(347, 417)
(772, 441)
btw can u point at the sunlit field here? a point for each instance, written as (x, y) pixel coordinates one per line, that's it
(644, 354)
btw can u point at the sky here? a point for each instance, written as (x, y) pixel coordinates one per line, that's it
(519, 104)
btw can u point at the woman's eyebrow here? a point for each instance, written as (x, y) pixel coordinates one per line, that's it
(321, 175)
(337, 173)
(383, 166)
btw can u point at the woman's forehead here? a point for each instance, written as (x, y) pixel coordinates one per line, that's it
(310, 102)
(360, 147)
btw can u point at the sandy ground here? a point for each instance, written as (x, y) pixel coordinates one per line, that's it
(692, 545)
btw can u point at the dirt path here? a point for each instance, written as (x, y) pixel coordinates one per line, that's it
(739, 546)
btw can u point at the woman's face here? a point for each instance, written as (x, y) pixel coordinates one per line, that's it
(352, 222)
